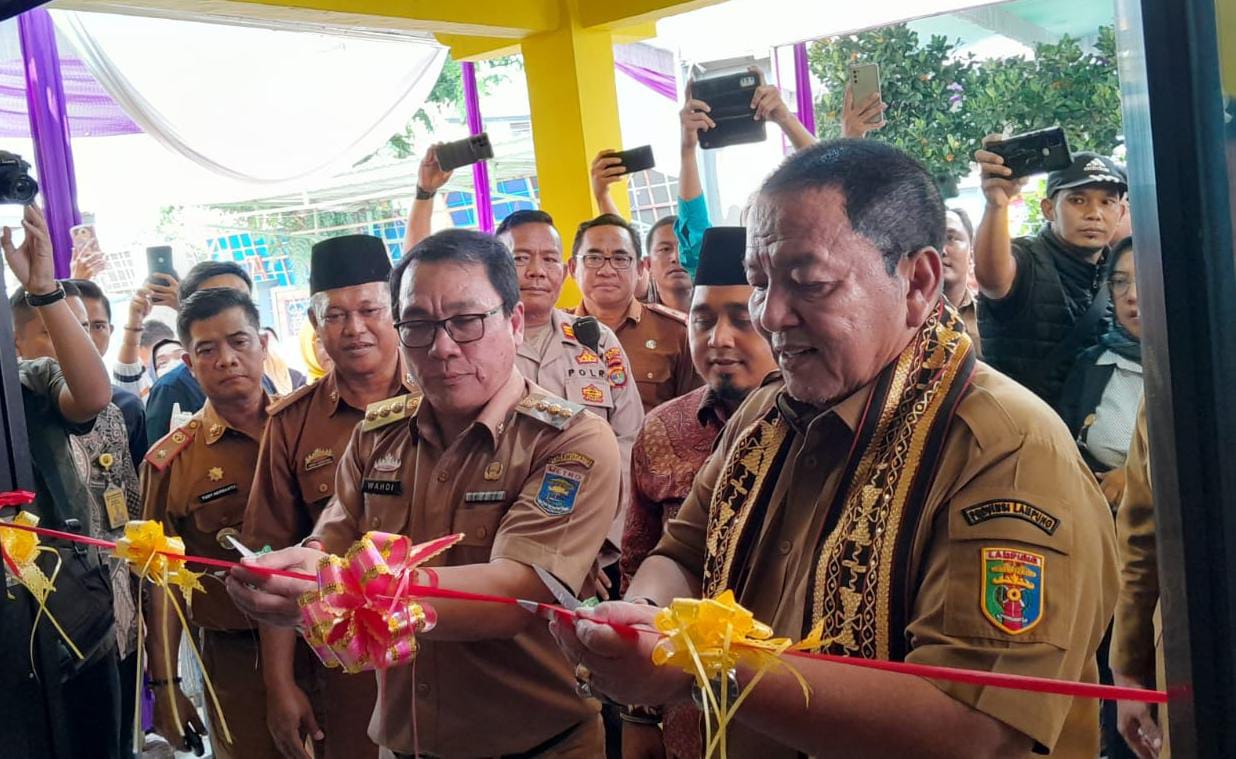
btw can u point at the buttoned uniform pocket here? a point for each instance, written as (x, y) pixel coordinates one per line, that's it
(215, 505)
(654, 378)
(385, 512)
(478, 523)
(1009, 578)
(316, 484)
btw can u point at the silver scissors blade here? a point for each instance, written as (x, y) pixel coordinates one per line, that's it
(561, 593)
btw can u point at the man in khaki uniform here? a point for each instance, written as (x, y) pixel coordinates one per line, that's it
(887, 490)
(196, 481)
(1137, 636)
(349, 307)
(526, 477)
(606, 261)
(554, 356)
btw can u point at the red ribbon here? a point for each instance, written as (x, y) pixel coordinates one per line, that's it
(949, 674)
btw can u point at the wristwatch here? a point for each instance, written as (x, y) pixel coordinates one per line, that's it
(46, 299)
(423, 194)
(731, 695)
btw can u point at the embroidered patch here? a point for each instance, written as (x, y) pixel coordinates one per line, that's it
(571, 457)
(485, 496)
(587, 357)
(568, 331)
(617, 376)
(387, 463)
(1011, 510)
(592, 394)
(382, 487)
(1012, 597)
(613, 356)
(493, 471)
(319, 458)
(217, 493)
(559, 488)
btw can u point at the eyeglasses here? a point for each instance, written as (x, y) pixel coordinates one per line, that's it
(620, 261)
(464, 328)
(1120, 285)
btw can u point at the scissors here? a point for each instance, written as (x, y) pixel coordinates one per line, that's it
(561, 593)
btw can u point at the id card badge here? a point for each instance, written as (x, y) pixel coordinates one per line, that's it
(117, 509)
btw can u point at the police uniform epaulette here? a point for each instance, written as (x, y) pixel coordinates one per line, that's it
(170, 445)
(391, 410)
(550, 409)
(280, 403)
(667, 311)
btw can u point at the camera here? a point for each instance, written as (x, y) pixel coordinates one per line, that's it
(16, 184)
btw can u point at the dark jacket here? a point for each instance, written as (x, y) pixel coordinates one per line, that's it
(1083, 389)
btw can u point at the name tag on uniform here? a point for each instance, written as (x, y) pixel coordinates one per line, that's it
(382, 487)
(117, 509)
(217, 493)
(485, 496)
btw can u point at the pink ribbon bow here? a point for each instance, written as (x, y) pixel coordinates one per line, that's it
(359, 618)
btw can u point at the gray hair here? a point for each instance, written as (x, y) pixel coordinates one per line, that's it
(320, 301)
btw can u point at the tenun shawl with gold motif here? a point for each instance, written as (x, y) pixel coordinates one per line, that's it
(860, 586)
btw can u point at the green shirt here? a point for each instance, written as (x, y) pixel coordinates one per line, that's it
(60, 492)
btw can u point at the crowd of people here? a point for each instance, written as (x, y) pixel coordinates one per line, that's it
(815, 411)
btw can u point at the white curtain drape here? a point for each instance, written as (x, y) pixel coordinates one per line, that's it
(258, 106)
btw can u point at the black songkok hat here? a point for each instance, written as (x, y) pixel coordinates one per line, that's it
(721, 255)
(346, 261)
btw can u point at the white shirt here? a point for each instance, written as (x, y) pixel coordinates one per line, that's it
(1115, 417)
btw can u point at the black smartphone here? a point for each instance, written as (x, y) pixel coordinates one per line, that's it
(159, 267)
(465, 152)
(730, 97)
(1034, 152)
(636, 159)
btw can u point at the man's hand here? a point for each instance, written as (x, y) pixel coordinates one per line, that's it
(431, 177)
(998, 189)
(858, 120)
(164, 719)
(1112, 484)
(1134, 722)
(769, 105)
(31, 262)
(642, 741)
(289, 715)
(620, 665)
(87, 264)
(606, 169)
(695, 119)
(268, 598)
(164, 290)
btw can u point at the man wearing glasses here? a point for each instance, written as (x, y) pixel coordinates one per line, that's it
(308, 430)
(527, 479)
(605, 261)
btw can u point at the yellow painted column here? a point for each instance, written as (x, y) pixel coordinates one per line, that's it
(574, 104)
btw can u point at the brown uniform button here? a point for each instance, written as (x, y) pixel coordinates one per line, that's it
(323, 487)
(422, 689)
(374, 522)
(785, 547)
(649, 375)
(482, 532)
(443, 476)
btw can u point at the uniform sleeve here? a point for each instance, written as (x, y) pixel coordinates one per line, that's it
(563, 512)
(1133, 645)
(1019, 577)
(273, 515)
(339, 526)
(642, 529)
(625, 421)
(689, 228)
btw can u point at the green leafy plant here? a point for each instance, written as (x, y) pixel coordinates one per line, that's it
(942, 103)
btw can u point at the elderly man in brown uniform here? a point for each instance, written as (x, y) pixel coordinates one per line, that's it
(888, 490)
(606, 261)
(1137, 634)
(195, 481)
(524, 476)
(349, 308)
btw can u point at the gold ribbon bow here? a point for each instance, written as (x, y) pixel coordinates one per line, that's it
(21, 548)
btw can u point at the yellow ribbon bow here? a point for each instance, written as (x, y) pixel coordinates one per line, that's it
(708, 639)
(21, 548)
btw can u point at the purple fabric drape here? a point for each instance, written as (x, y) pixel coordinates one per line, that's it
(92, 112)
(802, 87)
(657, 81)
(49, 127)
(480, 170)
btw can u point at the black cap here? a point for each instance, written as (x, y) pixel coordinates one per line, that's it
(1087, 169)
(347, 261)
(721, 255)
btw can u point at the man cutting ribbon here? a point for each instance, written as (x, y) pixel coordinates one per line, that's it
(849, 496)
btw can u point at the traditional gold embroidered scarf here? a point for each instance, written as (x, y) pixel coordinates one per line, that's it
(860, 589)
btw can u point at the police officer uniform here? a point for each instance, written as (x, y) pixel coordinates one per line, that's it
(305, 437)
(531, 480)
(196, 481)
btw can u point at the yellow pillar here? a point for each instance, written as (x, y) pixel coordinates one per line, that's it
(574, 103)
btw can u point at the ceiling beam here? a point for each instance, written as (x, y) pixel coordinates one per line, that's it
(595, 13)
